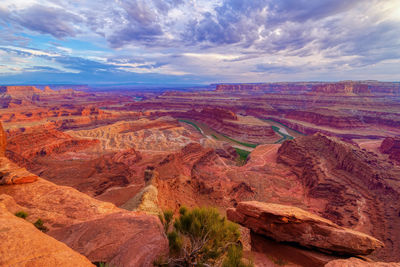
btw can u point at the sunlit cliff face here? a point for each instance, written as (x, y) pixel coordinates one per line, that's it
(178, 41)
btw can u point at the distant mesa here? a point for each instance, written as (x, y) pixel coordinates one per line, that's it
(21, 95)
(293, 87)
(343, 87)
(358, 88)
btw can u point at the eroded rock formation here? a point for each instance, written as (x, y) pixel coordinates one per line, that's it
(391, 146)
(84, 224)
(350, 186)
(291, 224)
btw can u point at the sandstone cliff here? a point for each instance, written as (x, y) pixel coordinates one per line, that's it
(357, 87)
(350, 186)
(391, 146)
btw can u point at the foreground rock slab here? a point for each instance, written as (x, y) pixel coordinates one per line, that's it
(23, 245)
(120, 239)
(290, 224)
(98, 230)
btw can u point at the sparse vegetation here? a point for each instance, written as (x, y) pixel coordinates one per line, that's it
(166, 219)
(21, 214)
(102, 264)
(201, 237)
(215, 137)
(243, 154)
(40, 225)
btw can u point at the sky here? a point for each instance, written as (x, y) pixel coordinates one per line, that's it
(198, 41)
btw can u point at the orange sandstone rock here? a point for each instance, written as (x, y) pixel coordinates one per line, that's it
(11, 173)
(24, 245)
(291, 224)
(121, 239)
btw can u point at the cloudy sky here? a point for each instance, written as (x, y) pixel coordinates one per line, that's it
(198, 41)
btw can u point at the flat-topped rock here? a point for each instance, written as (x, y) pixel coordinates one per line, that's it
(290, 224)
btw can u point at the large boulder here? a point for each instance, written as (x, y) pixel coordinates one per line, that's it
(290, 224)
(24, 245)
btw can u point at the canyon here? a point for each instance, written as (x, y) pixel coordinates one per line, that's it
(297, 156)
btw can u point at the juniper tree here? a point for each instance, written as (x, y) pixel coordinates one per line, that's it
(202, 237)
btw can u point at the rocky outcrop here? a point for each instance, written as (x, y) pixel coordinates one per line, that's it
(147, 199)
(350, 186)
(11, 173)
(291, 224)
(391, 146)
(120, 239)
(42, 141)
(355, 262)
(98, 230)
(24, 245)
(219, 114)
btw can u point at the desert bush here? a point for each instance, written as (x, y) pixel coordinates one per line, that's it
(40, 225)
(166, 219)
(21, 214)
(202, 237)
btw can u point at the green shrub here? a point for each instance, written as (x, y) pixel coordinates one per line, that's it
(166, 219)
(242, 156)
(39, 225)
(21, 214)
(102, 264)
(234, 258)
(201, 237)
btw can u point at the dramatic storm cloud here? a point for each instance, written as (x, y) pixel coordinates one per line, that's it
(198, 41)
